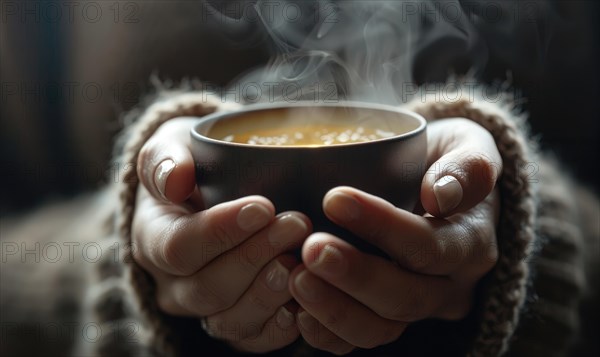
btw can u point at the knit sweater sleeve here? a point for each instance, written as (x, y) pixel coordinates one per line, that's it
(163, 334)
(562, 314)
(525, 246)
(530, 301)
(506, 288)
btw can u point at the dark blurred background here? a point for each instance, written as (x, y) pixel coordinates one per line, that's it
(69, 70)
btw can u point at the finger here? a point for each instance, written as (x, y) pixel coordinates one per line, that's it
(180, 244)
(165, 164)
(319, 337)
(220, 284)
(423, 245)
(279, 331)
(467, 165)
(164, 294)
(347, 318)
(388, 290)
(260, 302)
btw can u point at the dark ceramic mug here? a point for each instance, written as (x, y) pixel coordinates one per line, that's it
(297, 177)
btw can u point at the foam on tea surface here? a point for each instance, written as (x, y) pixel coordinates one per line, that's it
(310, 135)
(311, 126)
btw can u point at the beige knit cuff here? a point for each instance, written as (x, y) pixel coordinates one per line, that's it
(169, 105)
(504, 295)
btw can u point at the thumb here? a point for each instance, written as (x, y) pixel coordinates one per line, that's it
(165, 164)
(466, 172)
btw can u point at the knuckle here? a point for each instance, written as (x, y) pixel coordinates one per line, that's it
(221, 233)
(473, 232)
(136, 252)
(410, 309)
(172, 253)
(455, 168)
(378, 230)
(172, 246)
(481, 253)
(261, 303)
(203, 296)
(250, 259)
(422, 260)
(455, 243)
(480, 168)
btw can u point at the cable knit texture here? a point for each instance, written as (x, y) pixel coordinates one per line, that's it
(531, 302)
(507, 285)
(171, 105)
(505, 294)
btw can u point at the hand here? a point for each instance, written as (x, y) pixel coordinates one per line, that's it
(351, 299)
(227, 264)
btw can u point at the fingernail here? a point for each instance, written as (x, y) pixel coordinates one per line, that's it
(330, 261)
(161, 174)
(303, 287)
(343, 206)
(305, 320)
(277, 277)
(287, 228)
(284, 318)
(448, 193)
(205, 326)
(252, 217)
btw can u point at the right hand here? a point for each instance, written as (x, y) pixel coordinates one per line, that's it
(227, 264)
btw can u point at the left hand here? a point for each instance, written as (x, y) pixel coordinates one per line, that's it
(351, 299)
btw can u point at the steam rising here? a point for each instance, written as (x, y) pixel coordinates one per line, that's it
(351, 50)
(326, 51)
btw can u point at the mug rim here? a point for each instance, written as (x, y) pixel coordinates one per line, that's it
(219, 115)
